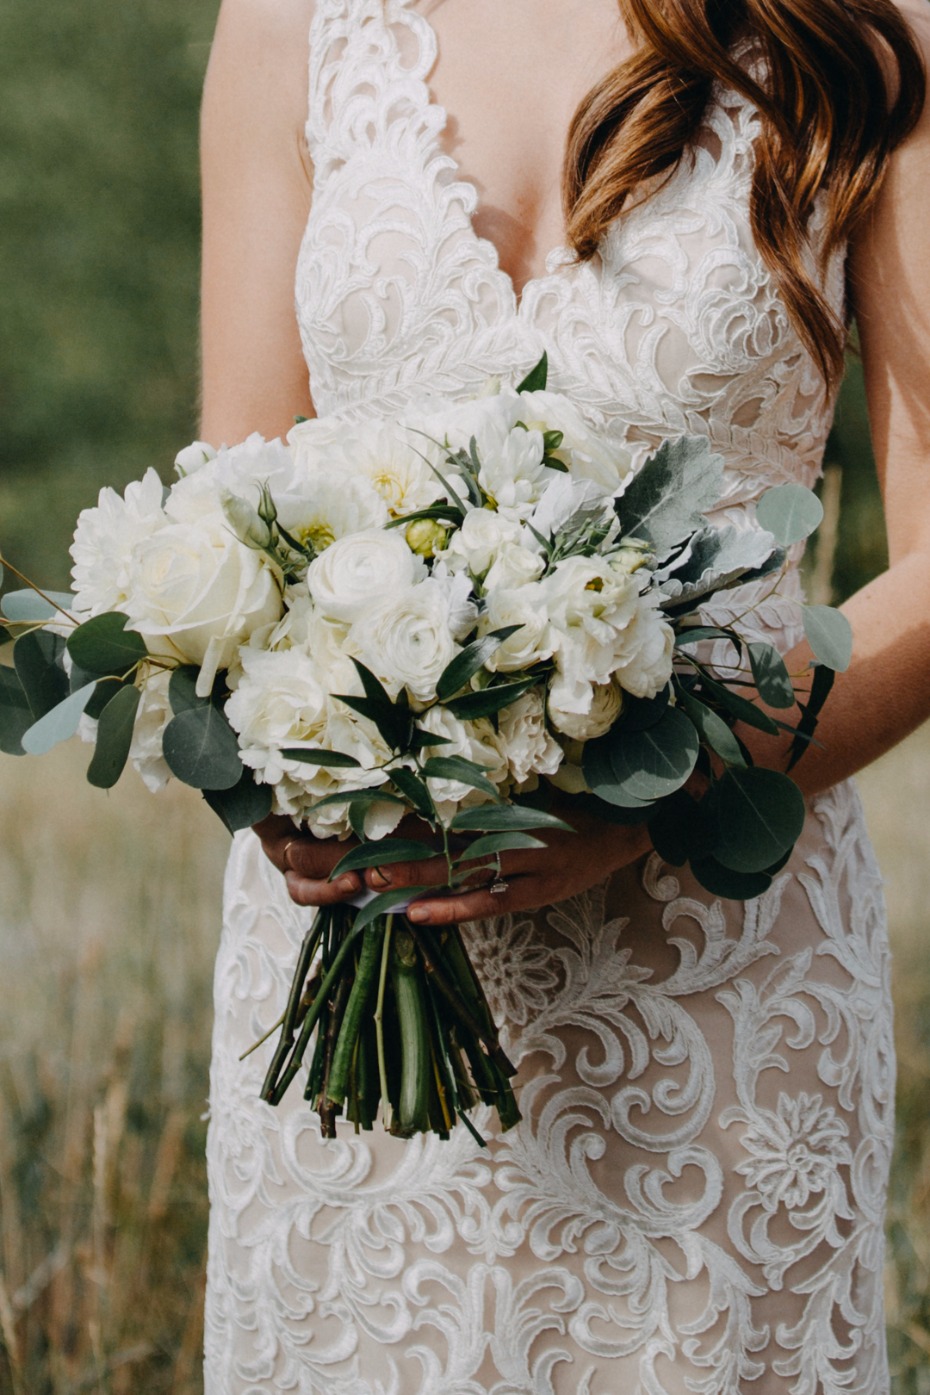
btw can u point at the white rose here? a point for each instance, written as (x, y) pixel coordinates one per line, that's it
(525, 740)
(104, 541)
(197, 593)
(515, 565)
(358, 570)
(406, 640)
(602, 703)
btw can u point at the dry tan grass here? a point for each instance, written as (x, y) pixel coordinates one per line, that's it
(108, 924)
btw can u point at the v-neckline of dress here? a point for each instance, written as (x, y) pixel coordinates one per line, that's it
(558, 256)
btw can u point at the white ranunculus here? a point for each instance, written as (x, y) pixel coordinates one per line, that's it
(526, 742)
(515, 565)
(480, 539)
(603, 703)
(197, 593)
(359, 571)
(406, 639)
(476, 741)
(533, 642)
(104, 541)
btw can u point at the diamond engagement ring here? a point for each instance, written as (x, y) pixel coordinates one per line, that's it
(498, 886)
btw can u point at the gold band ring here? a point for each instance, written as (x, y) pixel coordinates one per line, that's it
(286, 855)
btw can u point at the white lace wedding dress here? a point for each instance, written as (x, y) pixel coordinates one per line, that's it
(693, 1202)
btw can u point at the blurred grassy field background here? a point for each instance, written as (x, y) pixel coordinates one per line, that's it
(109, 904)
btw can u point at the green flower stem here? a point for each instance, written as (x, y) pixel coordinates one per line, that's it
(379, 1019)
(326, 1107)
(366, 1067)
(365, 975)
(413, 1104)
(458, 1007)
(288, 1021)
(276, 1095)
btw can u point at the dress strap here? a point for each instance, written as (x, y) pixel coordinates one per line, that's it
(369, 60)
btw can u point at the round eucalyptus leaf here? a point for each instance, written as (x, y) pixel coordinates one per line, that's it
(200, 748)
(182, 689)
(30, 607)
(829, 634)
(670, 828)
(761, 815)
(59, 724)
(713, 730)
(655, 762)
(790, 512)
(639, 714)
(244, 804)
(722, 881)
(770, 676)
(114, 738)
(103, 645)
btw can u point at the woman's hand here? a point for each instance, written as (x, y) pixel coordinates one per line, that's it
(570, 863)
(306, 862)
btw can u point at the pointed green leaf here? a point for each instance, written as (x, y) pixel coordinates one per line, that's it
(313, 756)
(537, 377)
(790, 512)
(243, 805)
(770, 675)
(697, 634)
(465, 665)
(59, 724)
(494, 818)
(497, 843)
(491, 700)
(467, 772)
(830, 636)
(104, 645)
(414, 789)
(387, 902)
(712, 729)
(385, 850)
(200, 748)
(114, 738)
(739, 707)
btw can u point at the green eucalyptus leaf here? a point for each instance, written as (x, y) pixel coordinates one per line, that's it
(29, 607)
(245, 803)
(712, 729)
(537, 377)
(639, 714)
(114, 738)
(414, 789)
(790, 512)
(671, 828)
(16, 716)
(467, 772)
(739, 707)
(499, 818)
(465, 665)
(182, 689)
(664, 500)
(104, 645)
(313, 756)
(59, 724)
(770, 675)
(761, 816)
(821, 684)
(385, 850)
(200, 748)
(655, 762)
(490, 700)
(830, 636)
(723, 881)
(493, 843)
(38, 661)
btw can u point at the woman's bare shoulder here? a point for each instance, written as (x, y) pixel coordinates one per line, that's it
(260, 56)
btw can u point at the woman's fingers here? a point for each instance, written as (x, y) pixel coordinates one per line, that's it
(310, 891)
(430, 871)
(470, 905)
(307, 862)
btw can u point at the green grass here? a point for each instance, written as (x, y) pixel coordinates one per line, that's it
(109, 909)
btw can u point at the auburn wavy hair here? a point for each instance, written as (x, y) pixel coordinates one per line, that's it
(839, 85)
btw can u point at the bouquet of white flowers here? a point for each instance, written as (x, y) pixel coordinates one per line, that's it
(442, 619)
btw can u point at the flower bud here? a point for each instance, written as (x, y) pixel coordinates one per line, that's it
(249, 527)
(425, 537)
(266, 506)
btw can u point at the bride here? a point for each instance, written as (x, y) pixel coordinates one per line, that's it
(683, 202)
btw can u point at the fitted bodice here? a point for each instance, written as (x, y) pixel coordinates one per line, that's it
(675, 327)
